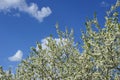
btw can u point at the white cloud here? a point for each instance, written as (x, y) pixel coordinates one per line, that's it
(22, 6)
(17, 56)
(58, 41)
(44, 42)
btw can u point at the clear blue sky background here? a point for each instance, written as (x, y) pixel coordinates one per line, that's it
(22, 32)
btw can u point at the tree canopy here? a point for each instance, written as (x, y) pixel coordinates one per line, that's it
(62, 60)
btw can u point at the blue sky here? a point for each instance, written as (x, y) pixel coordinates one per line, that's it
(23, 22)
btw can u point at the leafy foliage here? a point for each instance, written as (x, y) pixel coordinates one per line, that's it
(100, 59)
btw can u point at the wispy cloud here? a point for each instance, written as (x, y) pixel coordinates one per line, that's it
(104, 4)
(16, 15)
(22, 6)
(17, 56)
